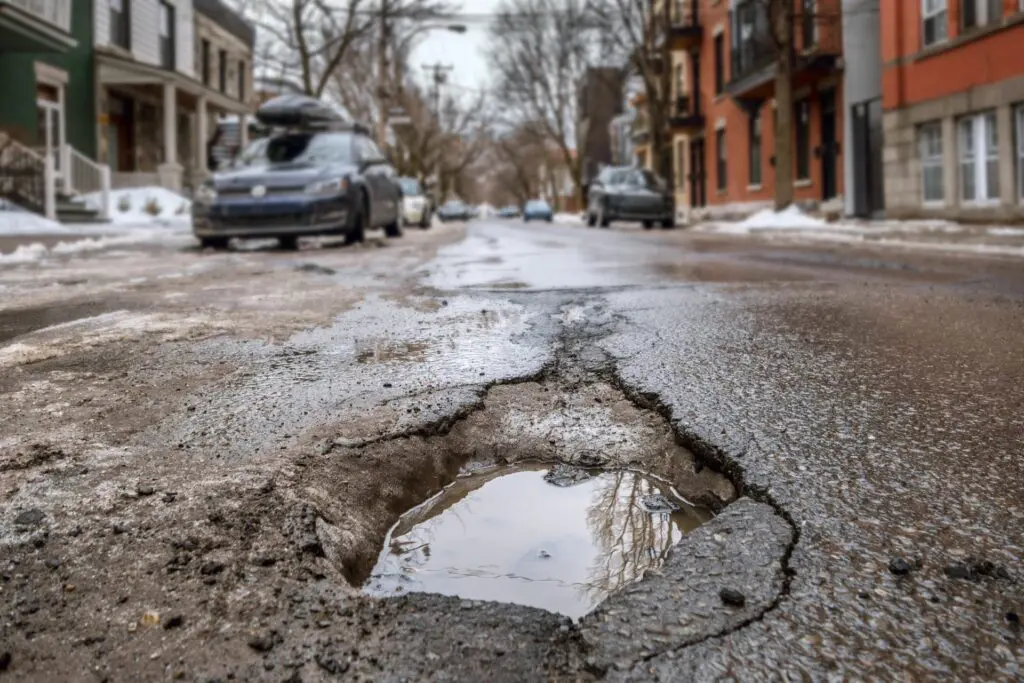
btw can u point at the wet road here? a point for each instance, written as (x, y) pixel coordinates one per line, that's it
(201, 452)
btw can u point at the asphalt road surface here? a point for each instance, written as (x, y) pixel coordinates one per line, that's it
(201, 454)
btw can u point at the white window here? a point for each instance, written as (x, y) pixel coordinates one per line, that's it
(929, 141)
(1020, 146)
(979, 158)
(976, 13)
(933, 16)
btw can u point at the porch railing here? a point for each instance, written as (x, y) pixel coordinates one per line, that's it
(82, 175)
(27, 179)
(56, 12)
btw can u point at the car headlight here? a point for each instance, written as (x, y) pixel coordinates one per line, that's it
(206, 193)
(328, 187)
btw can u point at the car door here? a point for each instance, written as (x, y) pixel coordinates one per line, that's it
(384, 183)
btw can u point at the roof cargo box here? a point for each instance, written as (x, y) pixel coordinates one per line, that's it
(297, 111)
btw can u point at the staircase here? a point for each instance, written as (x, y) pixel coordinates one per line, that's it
(51, 186)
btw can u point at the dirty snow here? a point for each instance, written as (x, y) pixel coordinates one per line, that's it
(36, 252)
(144, 205)
(789, 218)
(17, 221)
(573, 218)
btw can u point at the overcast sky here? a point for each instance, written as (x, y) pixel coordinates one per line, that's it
(462, 52)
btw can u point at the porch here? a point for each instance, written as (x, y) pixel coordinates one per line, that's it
(153, 126)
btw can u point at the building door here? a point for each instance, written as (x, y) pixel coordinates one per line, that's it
(698, 174)
(829, 149)
(121, 134)
(866, 125)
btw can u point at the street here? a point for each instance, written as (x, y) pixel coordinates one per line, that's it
(202, 453)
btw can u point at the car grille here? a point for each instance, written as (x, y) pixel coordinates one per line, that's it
(271, 191)
(257, 221)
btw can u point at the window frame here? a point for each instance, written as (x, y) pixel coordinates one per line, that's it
(166, 43)
(939, 13)
(978, 150)
(931, 161)
(802, 139)
(721, 162)
(986, 12)
(755, 150)
(121, 18)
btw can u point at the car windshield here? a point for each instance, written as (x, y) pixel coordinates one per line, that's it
(311, 148)
(537, 205)
(410, 187)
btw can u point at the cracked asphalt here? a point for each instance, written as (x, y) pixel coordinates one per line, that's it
(201, 454)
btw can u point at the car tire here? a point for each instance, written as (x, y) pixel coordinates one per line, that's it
(427, 221)
(216, 243)
(591, 220)
(393, 230)
(288, 242)
(602, 218)
(647, 224)
(357, 230)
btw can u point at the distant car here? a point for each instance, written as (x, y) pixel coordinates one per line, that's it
(630, 194)
(324, 176)
(508, 212)
(415, 204)
(454, 210)
(538, 210)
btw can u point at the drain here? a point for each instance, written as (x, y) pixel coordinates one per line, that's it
(561, 539)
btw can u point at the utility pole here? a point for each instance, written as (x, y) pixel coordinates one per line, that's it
(439, 76)
(382, 57)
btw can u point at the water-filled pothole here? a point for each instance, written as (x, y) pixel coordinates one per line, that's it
(561, 539)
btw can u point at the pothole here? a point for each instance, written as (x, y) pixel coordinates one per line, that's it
(557, 538)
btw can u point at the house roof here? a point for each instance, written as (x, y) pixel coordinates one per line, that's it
(230, 20)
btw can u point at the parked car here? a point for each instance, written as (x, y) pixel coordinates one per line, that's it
(454, 210)
(323, 175)
(630, 194)
(538, 210)
(508, 212)
(415, 204)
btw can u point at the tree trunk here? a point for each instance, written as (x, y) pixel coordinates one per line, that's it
(782, 20)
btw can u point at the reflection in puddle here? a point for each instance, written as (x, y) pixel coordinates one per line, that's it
(508, 535)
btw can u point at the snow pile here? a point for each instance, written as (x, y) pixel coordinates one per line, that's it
(15, 220)
(35, 252)
(144, 205)
(571, 218)
(790, 218)
(1006, 232)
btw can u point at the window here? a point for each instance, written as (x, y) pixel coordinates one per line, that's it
(808, 26)
(120, 23)
(720, 166)
(206, 61)
(803, 140)
(241, 80)
(754, 147)
(933, 16)
(719, 64)
(979, 158)
(680, 164)
(679, 80)
(311, 148)
(929, 143)
(981, 12)
(166, 33)
(222, 55)
(1020, 146)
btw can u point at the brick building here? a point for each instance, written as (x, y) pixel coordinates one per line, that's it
(953, 101)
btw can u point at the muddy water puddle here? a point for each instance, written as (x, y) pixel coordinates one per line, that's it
(561, 539)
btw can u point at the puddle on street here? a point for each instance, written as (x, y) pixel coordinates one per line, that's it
(561, 539)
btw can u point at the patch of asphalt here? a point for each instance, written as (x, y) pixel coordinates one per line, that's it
(718, 579)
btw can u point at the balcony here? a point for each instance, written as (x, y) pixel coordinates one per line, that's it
(684, 30)
(686, 116)
(35, 25)
(818, 51)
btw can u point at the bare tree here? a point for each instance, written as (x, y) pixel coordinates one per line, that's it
(634, 32)
(539, 51)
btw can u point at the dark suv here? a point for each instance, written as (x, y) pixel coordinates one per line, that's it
(320, 176)
(630, 194)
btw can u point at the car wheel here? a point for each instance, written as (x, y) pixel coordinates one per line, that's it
(648, 224)
(591, 220)
(602, 218)
(217, 243)
(393, 230)
(427, 219)
(288, 242)
(357, 231)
